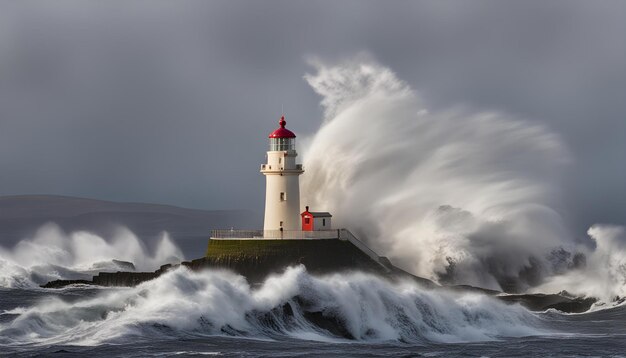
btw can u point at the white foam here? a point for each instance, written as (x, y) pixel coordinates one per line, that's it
(186, 353)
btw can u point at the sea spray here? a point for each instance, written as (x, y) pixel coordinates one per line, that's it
(343, 307)
(52, 254)
(454, 195)
(603, 272)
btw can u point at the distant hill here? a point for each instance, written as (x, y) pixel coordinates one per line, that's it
(21, 216)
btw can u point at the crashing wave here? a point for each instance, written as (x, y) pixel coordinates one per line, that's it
(52, 255)
(354, 307)
(454, 195)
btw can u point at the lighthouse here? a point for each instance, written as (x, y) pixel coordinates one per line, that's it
(282, 185)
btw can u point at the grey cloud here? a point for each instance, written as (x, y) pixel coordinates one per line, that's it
(171, 101)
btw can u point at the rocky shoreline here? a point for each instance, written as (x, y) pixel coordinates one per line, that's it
(255, 260)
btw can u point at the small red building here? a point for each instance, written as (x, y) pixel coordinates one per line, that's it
(315, 221)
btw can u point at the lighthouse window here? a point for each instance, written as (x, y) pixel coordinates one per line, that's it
(283, 196)
(307, 220)
(323, 222)
(280, 160)
(280, 144)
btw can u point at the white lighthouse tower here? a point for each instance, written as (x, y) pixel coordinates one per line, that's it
(282, 189)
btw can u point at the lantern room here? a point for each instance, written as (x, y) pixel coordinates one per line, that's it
(282, 139)
(315, 220)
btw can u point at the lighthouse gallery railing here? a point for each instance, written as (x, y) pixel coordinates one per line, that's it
(274, 234)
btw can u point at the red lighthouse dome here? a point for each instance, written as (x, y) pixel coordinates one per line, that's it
(282, 132)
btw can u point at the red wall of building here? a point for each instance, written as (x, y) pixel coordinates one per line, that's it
(307, 226)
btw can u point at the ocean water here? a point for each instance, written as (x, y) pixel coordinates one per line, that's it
(292, 314)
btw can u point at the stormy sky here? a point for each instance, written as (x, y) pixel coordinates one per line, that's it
(171, 101)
